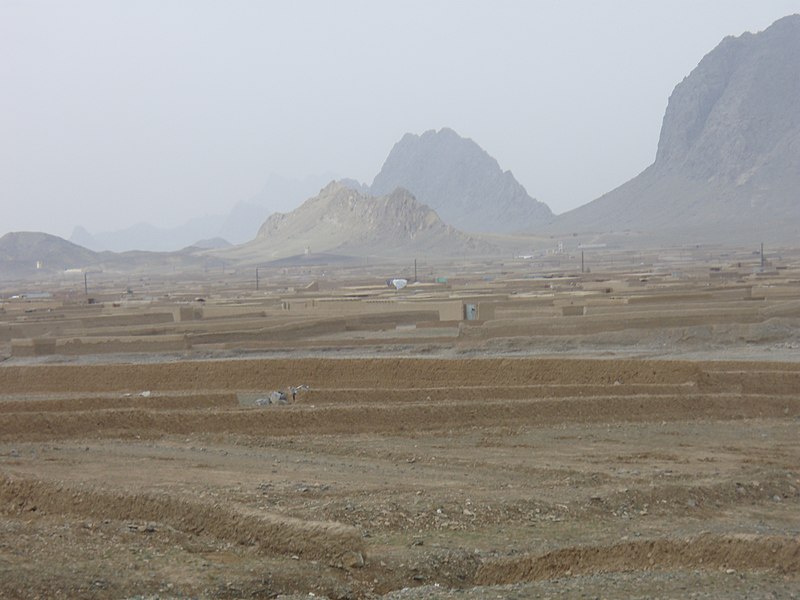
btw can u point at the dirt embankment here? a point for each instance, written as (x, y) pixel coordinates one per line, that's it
(332, 373)
(382, 418)
(339, 544)
(706, 552)
(377, 396)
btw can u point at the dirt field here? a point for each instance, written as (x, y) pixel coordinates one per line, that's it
(502, 478)
(509, 430)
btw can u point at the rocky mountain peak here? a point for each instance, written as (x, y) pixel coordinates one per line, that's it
(460, 181)
(738, 107)
(728, 160)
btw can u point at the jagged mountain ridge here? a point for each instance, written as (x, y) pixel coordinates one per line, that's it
(728, 159)
(461, 182)
(344, 221)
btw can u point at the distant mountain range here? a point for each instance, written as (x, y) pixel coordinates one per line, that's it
(728, 160)
(24, 254)
(238, 226)
(727, 169)
(144, 236)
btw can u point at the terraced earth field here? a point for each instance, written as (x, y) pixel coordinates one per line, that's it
(400, 477)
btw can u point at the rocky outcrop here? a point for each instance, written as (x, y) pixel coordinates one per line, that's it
(344, 221)
(461, 182)
(728, 159)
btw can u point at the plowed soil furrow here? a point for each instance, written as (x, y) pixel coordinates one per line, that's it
(78, 404)
(496, 392)
(752, 382)
(293, 420)
(327, 373)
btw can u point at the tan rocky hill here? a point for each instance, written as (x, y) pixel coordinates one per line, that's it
(461, 182)
(343, 221)
(728, 160)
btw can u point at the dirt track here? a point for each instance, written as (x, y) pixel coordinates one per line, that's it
(393, 473)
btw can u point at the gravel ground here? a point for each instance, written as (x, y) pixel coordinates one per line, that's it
(677, 585)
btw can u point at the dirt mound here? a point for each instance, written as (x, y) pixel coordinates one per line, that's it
(698, 500)
(706, 552)
(339, 544)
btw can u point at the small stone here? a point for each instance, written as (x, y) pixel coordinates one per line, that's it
(353, 560)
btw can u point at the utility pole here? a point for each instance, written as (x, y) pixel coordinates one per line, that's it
(415, 270)
(85, 283)
(256, 277)
(763, 262)
(582, 271)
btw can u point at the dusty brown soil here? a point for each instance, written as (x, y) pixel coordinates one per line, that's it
(472, 478)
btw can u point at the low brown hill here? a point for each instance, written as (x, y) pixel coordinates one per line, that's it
(27, 254)
(20, 251)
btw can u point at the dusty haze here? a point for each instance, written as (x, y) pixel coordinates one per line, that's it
(114, 113)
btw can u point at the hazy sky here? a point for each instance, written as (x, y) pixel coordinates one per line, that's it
(117, 112)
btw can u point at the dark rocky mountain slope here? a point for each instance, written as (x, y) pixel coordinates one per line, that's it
(728, 161)
(461, 182)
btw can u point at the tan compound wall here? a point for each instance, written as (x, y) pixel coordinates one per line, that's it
(98, 345)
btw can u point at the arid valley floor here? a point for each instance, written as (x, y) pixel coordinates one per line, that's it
(625, 428)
